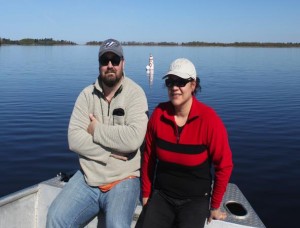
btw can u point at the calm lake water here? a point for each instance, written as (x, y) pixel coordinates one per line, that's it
(254, 90)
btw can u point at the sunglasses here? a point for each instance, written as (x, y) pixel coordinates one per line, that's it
(179, 82)
(115, 60)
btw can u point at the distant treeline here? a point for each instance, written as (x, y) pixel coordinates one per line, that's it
(29, 41)
(50, 41)
(203, 44)
(241, 44)
(134, 43)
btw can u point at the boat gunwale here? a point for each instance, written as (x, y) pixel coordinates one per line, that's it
(19, 195)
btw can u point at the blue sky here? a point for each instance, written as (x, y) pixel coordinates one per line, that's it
(154, 20)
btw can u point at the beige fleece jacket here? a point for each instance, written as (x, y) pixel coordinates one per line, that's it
(121, 133)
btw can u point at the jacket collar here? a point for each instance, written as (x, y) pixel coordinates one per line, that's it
(169, 112)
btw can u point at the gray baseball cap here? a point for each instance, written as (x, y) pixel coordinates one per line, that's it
(111, 45)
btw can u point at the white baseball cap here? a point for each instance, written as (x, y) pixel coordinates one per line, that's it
(182, 68)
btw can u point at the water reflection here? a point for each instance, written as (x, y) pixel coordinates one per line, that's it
(150, 75)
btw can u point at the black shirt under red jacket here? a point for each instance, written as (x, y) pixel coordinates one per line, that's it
(182, 161)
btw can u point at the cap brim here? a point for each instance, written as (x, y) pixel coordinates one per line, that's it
(113, 51)
(178, 74)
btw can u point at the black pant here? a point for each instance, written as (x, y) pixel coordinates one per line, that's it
(163, 211)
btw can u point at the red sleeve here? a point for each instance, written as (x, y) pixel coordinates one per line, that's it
(149, 158)
(221, 155)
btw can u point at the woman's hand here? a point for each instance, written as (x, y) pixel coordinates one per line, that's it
(216, 214)
(145, 201)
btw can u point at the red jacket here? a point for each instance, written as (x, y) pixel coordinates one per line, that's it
(183, 161)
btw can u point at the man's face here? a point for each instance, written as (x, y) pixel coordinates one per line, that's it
(111, 69)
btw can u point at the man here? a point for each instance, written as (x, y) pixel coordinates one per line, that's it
(106, 130)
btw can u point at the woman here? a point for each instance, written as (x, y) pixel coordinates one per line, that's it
(184, 138)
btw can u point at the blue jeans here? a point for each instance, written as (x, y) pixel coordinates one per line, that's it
(78, 203)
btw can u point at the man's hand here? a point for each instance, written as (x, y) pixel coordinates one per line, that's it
(92, 125)
(91, 130)
(216, 214)
(120, 157)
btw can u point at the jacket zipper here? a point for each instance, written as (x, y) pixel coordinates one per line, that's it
(116, 93)
(108, 108)
(177, 134)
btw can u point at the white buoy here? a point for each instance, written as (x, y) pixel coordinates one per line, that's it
(150, 66)
(151, 62)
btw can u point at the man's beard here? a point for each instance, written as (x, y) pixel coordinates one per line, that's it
(110, 81)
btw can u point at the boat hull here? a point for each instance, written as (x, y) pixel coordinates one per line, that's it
(29, 207)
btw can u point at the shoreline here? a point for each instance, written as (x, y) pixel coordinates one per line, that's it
(52, 42)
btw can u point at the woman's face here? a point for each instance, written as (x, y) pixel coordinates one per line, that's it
(180, 90)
